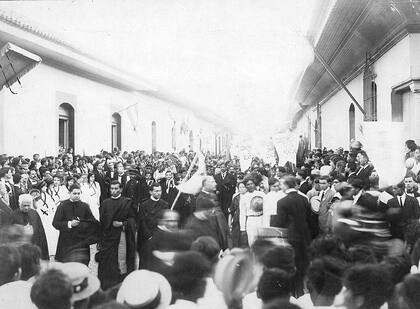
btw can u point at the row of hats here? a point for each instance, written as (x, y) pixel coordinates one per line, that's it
(139, 289)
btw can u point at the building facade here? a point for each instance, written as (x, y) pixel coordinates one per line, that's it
(73, 100)
(371, 47)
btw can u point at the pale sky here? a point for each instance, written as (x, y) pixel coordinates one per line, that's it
(238, 58)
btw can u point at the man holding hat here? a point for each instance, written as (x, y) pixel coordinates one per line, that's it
(78, 228)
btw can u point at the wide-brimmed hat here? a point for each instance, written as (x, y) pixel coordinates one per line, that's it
(16, 295)
(257, 203)
(234, 276)
(145, 288)
(84, 283)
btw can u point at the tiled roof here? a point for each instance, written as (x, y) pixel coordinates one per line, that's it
(25, 23)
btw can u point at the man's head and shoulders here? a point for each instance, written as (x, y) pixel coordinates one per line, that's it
(75, 194)
(115, 190)
(155, 198)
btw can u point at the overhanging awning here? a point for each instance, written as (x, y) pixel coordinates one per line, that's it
(14, 63)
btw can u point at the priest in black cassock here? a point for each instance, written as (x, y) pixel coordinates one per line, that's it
(147, 221)
(208, 219)
(28, 217)
(78, 228)
(116, 256)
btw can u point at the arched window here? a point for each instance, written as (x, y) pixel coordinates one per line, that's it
(66, 126)
(191, 140)
(352, 122)
(154, 141)
(116, 131)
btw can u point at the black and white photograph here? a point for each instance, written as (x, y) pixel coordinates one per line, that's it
(210, 154)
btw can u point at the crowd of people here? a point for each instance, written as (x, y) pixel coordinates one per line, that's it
(117, 231)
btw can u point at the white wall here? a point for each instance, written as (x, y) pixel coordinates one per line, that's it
(29, 120)
(392, 69)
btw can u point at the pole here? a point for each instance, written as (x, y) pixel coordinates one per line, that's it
(337, 79)
(185, 179)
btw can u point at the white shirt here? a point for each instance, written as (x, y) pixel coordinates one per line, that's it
(270, 206)
(401, 199)
(356, 197)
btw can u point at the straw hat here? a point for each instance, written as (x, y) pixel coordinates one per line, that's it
(145, 288)
(84, 283)
(315, 203)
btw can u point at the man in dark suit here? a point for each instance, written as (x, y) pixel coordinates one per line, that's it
(120, 174)
(145, 186)
(402, 211)
(147, 221)
(365, 169)
(169, 190)
(410, 187)
(102, 179)
(132, 187)
(226, 185)
(293, 214)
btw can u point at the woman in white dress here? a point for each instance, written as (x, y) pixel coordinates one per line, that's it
(93, 195)
(251, 211)
(46, 207)
(58, 191)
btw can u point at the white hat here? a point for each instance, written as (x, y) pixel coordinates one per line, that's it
(315, 203)
(16, 295)
(84, 283)
(143, 287)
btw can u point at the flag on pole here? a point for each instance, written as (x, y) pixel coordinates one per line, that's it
(195, 183)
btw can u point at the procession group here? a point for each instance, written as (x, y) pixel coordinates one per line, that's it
(116, 231)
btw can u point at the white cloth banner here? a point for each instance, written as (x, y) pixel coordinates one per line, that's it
(384, 144)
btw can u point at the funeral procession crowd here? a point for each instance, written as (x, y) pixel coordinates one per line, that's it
(118, 230)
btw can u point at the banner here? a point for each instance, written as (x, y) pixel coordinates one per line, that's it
(384, 144)
(286, 147)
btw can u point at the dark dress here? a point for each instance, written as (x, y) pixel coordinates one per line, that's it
(73, 243)
(123, 210)
(235, 231)
(32, 218)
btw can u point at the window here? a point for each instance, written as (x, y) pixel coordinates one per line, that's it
(154, 142)
(369, 94)
(352, 123)
(66, 126)
(397, 106)
(116, 131)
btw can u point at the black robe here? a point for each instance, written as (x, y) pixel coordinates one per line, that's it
(78, 238)
(211, 223)
(123, 210)
(147, 221)
(32, 218)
